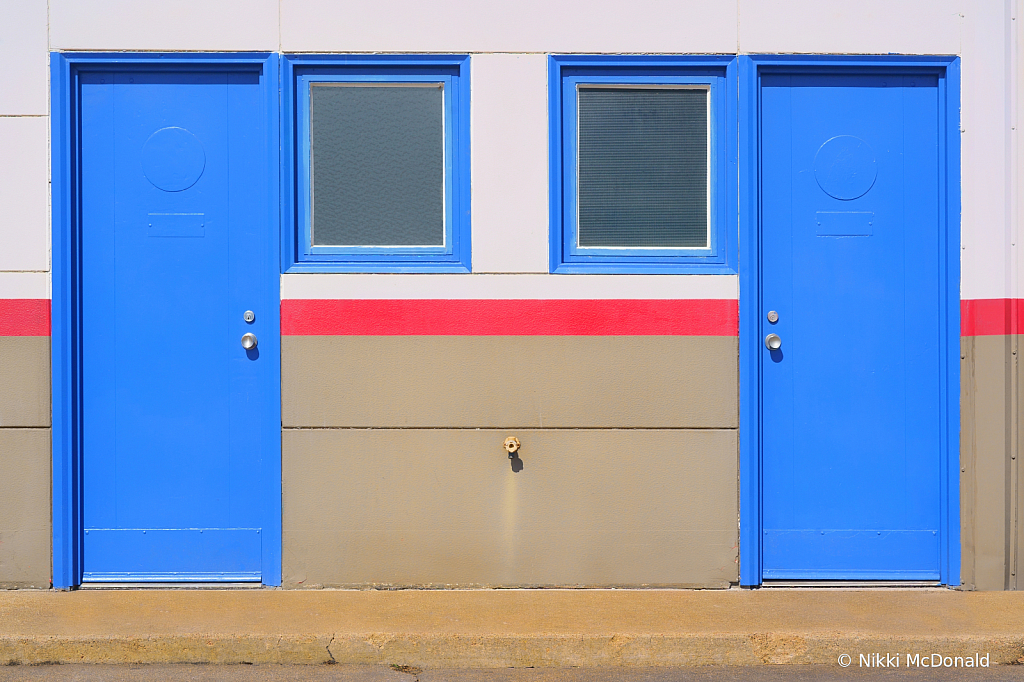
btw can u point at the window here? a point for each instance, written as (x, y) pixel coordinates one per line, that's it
(379, 163)
(640, 168)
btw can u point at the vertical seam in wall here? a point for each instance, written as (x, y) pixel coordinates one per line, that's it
(968, 476)
(49, 251)
(1009, 466)
(1015, 468)
(737, 26)
(1015, 227)
(1010, 349)
(960, 26)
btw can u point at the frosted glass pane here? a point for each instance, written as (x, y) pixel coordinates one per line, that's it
(377, 165)
(643, 167)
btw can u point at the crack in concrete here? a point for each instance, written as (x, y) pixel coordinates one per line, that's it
(332, 661)
(408, 670)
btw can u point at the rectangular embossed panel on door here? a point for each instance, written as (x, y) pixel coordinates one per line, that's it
(174, 251)
(851, 264)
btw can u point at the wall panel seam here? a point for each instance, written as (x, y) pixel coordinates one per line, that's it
(495, 428)
(967, 465)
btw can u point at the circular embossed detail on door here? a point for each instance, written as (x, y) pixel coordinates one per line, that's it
(845, 167)
(173, 159)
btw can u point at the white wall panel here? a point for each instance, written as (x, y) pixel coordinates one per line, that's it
(23, 47)
(985, 157)
(360, 286)
(856, 26)
(510, 163)
(24, 285)
(164, 25)
(24, 193)
(509, 143)
(508, 26)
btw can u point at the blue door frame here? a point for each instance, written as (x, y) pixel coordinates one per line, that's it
(751, 70)
(66, 340)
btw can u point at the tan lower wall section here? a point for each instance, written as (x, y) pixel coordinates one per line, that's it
(495, 381)
(445, 507)
(24, 507)
(990, 446)
(24, 461)
(24, 381)
(1017, 471)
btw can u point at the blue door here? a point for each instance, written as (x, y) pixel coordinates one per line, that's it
(851, 246)
(174, 251)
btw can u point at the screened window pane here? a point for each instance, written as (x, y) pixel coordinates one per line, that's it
(643, 167)
(377, 165)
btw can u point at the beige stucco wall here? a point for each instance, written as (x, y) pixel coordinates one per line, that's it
(506, 381)
(445, 507)
(992, 479)
(394, 471)
(24, 461)
(24, 381)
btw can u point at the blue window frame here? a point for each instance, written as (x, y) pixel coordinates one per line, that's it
(406, 86)
(574, 77)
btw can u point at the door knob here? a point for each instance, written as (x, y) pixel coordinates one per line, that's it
(771, 342)
(248, 341)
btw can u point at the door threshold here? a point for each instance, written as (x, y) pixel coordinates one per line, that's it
(854, 584)
(170, 586)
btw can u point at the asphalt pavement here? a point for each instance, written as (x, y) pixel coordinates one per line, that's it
(379, 673)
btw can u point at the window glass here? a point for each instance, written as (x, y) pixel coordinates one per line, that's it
(377, 164)
(643, 167)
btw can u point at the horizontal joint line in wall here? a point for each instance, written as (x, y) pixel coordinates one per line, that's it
(498, 428)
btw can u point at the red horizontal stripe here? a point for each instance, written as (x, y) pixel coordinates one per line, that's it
(495, 317)
(991, 316)
(24, 317)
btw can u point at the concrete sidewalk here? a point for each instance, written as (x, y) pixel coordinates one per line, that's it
(503, 628)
